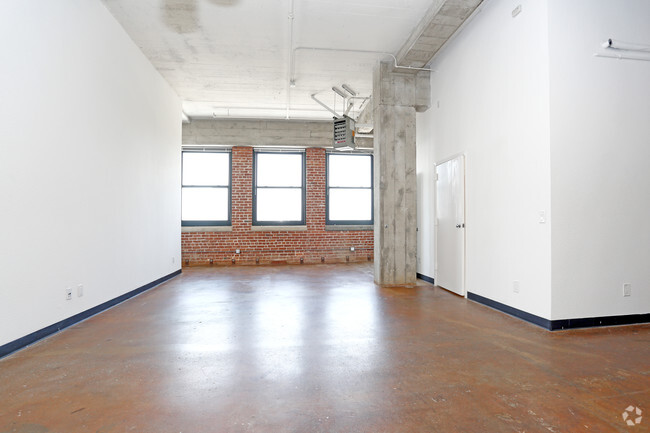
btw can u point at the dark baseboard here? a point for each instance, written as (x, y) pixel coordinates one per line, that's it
(592, 322)
(25, 341)
(425, 278)
(555, 325)
(535, 320)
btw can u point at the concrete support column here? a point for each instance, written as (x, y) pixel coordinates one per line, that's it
(395, 97)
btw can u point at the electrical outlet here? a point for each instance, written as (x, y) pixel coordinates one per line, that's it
(237, 251)
(68, 294)
(351, 248)
(80, 290)
(515, 286)
(627, 289)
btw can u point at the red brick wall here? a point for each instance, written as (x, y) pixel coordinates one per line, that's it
(267, 247)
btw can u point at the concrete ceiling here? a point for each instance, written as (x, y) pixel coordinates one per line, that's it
(235, 58)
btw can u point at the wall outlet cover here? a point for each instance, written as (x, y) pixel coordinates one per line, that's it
(627, 289)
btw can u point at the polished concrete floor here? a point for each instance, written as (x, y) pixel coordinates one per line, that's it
(320, 349)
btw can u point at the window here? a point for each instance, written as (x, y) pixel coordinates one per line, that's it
(279, 188)
(349, 189)
(205, 188)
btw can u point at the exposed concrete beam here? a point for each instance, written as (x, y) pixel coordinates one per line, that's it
(440, 22)
(258, 133)
(261, 133)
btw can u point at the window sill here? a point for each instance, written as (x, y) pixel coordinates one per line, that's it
(203, 229)
(342, 227)
(278, 228)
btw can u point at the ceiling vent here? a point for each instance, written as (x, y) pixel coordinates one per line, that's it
(344, 133)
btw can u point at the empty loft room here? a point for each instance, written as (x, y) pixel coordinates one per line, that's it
(309, 216)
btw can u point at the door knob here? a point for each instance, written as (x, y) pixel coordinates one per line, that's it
(457, 226)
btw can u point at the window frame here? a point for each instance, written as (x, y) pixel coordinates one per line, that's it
(206, 223)
(303, 187)
(329, 222)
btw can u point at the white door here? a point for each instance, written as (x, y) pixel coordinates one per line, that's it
(450, 213)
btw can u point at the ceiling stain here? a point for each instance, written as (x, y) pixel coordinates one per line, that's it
(223, 2)
(181, 16)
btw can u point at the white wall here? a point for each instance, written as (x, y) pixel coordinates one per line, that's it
(89, 163)
(492, 87)
(426, 190)
(600, 135)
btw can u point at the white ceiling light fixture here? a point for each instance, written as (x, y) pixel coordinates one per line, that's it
(349, 89)
(339, 92)
(625, 46)
(625, 50)
(352, 108)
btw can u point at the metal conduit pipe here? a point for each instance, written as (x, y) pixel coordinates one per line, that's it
(621, 57)
(290, 16)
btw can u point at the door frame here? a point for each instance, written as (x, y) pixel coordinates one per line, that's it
(435, 228)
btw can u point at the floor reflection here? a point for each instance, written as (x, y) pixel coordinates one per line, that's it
(292, 336)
